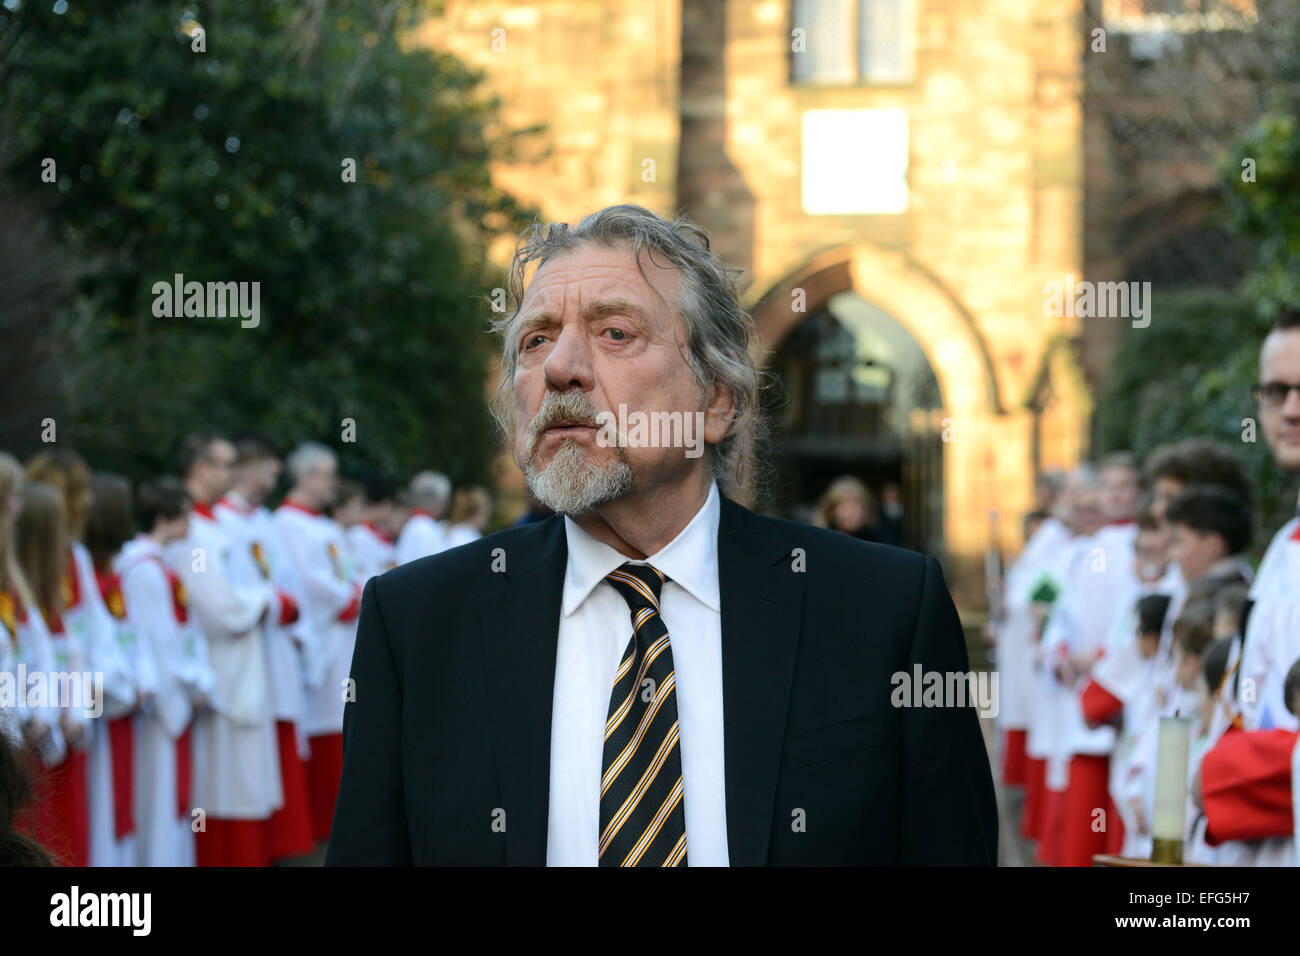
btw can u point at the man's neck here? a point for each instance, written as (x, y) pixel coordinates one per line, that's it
(639, 525)
(297, 498)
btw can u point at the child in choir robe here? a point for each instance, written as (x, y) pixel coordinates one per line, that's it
(318, 549)
(371, 543)
(424, 532)
(41, 542)
(236, 755)
(259, 556)
(1250, 788)
(1216, 717)
(27, 659)
(173, 683)
(1210, 529)
(90, 627)
(1180, 696)
(108, 528)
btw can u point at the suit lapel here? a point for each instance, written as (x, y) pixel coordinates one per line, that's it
(761, 599)
(520, 633)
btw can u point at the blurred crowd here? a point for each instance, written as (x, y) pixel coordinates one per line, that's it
(174, 656)
(1133, 601)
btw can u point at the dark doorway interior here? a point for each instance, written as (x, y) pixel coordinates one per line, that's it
(857, 396)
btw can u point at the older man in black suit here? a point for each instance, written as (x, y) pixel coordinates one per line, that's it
(655, 675)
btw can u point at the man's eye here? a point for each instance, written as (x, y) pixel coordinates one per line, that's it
(532, 340)
(619, 334)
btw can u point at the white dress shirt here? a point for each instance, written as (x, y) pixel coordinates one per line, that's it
(595, 627)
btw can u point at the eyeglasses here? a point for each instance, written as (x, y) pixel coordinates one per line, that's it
(1272, 394)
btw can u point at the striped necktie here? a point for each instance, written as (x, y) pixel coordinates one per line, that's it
(642, 809)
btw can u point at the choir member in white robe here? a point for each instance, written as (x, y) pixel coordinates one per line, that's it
(1014, 641)
(1052, 698)
(91, 630)
(109, 527)
(41, 544)
(261, 557)
(424, 533)
(332, 601)
(371, 540)
(236, 756)
(171, 681)
(372, 548)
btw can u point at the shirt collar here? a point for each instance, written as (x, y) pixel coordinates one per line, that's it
(690, 559)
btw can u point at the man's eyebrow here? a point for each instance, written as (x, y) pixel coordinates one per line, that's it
(603, 307)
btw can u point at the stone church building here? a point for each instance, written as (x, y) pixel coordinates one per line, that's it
(898, 179)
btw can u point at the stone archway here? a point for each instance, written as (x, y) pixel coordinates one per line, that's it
(948, 335)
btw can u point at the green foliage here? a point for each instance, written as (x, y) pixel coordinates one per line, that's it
(1190, 373)
(226, 165)
(1268, 208)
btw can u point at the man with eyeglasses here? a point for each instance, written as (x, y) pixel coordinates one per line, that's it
(1250, 781)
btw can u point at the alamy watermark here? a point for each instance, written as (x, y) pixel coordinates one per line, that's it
(39, 689)
(651, 430)
(1099, 300)
(213, 300)
(978, 689)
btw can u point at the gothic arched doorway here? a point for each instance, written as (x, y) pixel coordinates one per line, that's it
(858, 397)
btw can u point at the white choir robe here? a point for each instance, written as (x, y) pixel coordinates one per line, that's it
(236, 755)
(255, 536)
(10, 721)
(37, 652)
(1015, 646)
(1093, 611)
(421, 536)
(162, 837)
(1053, 701)
(374, 552)
(106, 653)
(318, 549)
(1271, 638)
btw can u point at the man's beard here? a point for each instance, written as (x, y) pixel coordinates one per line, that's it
(573, 485)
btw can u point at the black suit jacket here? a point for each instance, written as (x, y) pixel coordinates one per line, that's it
(446, 747)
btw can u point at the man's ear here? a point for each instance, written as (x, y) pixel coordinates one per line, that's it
(719, 414)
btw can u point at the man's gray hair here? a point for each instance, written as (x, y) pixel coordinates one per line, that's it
(306, 457)
(721, 338)
(430, 489)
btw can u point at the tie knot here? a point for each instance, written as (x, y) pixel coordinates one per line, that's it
(639, 584)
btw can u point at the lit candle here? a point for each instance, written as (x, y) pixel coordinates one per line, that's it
(1169, 825)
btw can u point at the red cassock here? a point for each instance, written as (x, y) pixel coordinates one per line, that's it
(1246, 786)
(1100, 706)
(292, 831)
(1014, 758)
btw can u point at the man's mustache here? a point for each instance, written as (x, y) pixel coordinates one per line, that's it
(561, 407)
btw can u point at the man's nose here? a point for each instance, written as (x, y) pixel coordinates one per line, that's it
(568, 364)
